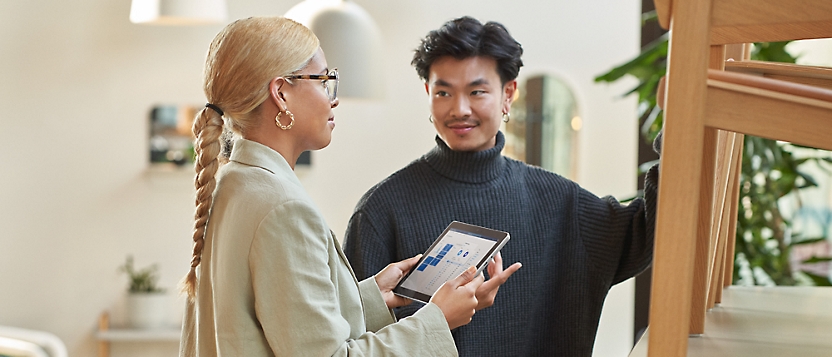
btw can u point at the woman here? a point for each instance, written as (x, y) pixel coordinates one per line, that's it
(272, 279)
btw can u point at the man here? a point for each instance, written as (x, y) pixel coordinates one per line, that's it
(574, 246)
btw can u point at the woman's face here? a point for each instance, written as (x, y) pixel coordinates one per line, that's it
(308, 101)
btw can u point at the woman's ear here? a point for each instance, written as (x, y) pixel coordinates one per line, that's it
(277, 87)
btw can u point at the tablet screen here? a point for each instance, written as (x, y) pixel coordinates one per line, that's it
(459, 247)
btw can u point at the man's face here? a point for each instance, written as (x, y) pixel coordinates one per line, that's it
(467, 101)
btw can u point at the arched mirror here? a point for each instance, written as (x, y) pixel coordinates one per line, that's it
(544, 125)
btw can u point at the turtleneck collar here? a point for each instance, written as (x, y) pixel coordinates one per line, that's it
(467, 166)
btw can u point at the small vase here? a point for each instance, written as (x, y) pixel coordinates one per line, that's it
(147, 310)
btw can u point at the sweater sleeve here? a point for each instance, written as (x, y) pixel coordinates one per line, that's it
(297, 304)
(367, 250)
(619, 238)
(370, 251)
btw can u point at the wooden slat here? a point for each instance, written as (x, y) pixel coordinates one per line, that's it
(735, 52)
(768, 84)
(727, 269)
(715, 292)
(716, 215)
(723, 191)
(681, 161)
(786, 69)
(809, 75)
(716, 57)
(770, 115)
(770, 33)
(769, 12)
(722, 174)
(731, 242)
(732, 228)
(704, 248)
(740, 21)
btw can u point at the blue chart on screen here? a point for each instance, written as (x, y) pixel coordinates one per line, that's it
(447, 260)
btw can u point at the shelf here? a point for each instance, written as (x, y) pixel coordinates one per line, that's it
(106, 335)
(762, 322)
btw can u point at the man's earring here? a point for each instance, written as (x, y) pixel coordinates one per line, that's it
(291, 117)
(430, 118)
(506, 117)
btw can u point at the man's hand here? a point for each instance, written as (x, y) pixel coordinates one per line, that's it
(487, 292)
(388, 277)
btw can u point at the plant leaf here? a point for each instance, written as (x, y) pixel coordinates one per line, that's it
(649, 55)
(816, 259)
(808, 241)
(817, 279)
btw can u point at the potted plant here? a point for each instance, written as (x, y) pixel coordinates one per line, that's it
(147, 303)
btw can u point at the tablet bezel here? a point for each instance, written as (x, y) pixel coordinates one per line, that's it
(500, 239)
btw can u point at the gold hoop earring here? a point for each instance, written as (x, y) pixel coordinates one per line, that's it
(506, 117)
(430, 118)
(284, 127)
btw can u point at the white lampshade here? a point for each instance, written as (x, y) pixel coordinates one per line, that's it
(350, 40)
(178, 12)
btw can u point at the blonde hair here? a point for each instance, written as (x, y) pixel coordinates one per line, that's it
(243, 58)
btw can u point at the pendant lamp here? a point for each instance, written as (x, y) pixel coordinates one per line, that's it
(178, 12)
(351, 41)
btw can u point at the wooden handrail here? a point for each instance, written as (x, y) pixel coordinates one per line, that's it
(810, 75)
(779, 68)
(772, 85)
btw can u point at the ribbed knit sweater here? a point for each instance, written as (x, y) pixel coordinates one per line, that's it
(573, 245)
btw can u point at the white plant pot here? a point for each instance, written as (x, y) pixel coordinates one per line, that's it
(147, 310)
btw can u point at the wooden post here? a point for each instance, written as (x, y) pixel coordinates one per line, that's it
(681, 162)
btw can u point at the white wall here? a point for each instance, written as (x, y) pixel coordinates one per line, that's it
(77, 81)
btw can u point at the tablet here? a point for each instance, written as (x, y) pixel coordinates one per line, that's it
(460, 246)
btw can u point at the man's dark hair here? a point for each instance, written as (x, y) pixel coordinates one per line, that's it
(467, 37)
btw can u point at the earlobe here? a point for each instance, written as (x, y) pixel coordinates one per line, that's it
(427, 90)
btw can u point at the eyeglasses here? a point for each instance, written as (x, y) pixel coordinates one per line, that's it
(329, 81)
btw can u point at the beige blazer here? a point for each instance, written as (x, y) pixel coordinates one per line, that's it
(273, 281)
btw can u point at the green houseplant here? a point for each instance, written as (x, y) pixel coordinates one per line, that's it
(147, 303)
(771, 172)
(141, 280)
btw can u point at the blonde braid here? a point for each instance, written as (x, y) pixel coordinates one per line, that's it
(207, 130)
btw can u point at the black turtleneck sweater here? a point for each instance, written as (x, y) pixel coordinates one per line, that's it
(573, 245)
